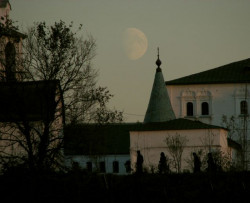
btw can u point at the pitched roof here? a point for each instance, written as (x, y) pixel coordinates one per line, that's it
(236, 72)
(30, 101)
(176, 124)
(91, 139)
(233, 144)
(159, 107)
(12, 33)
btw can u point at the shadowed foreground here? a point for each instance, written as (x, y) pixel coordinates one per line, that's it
(82, 187)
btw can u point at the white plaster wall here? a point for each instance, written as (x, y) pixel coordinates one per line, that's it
(108, 159)
(224, 100)
(151, 144)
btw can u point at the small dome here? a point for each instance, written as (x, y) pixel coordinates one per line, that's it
(158, 62)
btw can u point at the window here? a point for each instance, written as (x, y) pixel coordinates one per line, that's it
(190, 109)
(115, 167)
(10, 57)
(128, 166)
(89, 166)
(102, 167)
(243, 107)
(204, 108)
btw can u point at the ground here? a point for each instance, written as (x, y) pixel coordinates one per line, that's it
(79, 186)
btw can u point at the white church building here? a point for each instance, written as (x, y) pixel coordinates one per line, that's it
(218, 96)
(184, 110)
(174, 112)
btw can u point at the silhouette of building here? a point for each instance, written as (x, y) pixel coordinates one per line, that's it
(98, 148)
(10, 46)
(24, 104)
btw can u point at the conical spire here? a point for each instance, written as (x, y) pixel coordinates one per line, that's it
(159, 107)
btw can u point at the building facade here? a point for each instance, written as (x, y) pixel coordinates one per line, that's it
(218, 96)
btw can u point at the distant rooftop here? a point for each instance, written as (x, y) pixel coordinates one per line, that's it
(27, 101)
(159, 106)
(92, 139)
(236, 72)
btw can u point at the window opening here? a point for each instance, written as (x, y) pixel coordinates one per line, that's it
(243, 107)
(204, 108)
(190, 109)
(89, 166)
(115, 167)
(102, 167)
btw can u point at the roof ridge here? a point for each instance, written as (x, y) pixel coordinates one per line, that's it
(229, 73)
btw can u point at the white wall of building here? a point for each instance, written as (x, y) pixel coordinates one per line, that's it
(95, 160)
(223, 99)
(151, 144)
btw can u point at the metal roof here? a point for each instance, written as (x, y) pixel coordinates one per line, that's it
(159, 107)
(93, 139)
(236, 72)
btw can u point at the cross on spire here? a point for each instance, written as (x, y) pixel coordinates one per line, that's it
(158, 62)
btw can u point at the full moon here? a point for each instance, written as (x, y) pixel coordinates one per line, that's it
(135, 43)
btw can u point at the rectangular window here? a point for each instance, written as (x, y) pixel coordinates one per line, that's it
(128, 166)
(102, 167)
(243, 108)
(115, 167)
(89, 166)
(204, 108)
(190, 111)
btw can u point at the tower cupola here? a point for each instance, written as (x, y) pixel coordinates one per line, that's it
(159, 107)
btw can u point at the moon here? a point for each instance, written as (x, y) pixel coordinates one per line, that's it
(135, 43)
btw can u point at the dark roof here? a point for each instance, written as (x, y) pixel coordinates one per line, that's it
(11, 33)
(3, 3)
(176, 124)
(86, 139)
(91, 139)
(30, 101)
(233, 144)
(159, 106)
(237, 72)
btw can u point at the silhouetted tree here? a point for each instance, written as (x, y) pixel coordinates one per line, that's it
(58, 52)
(175, 146)
(53, 53)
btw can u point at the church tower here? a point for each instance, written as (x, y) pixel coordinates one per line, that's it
(5, 8)
(159, 107)
(10, 46)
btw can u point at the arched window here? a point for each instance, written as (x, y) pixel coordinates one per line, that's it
(190, 109)
(243, 107)
(204, 108)
(10, 61)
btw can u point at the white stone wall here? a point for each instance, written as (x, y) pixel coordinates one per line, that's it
(108, 159)
(151, 144)
(223, 99)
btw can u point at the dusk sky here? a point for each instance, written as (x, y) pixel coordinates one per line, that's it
(193, 36)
